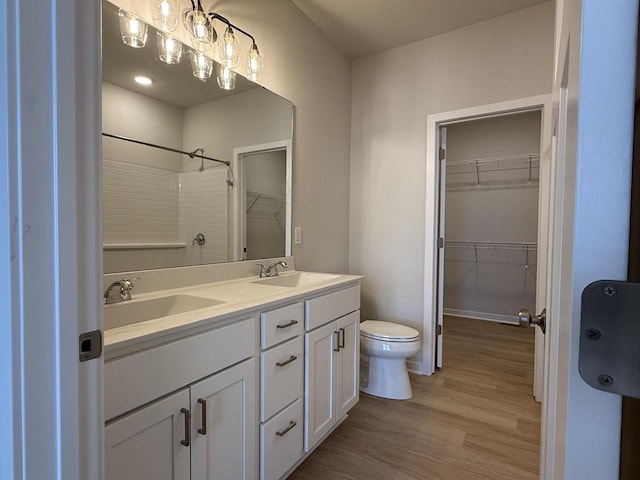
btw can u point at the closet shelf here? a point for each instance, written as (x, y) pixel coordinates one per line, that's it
(524, 247)
(513, 170)
(262, 205)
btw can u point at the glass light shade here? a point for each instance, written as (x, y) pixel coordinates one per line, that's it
(132, 29)
(201, 65)
(229, 49)
(169, 49)
(226, 78)
(200, 30)
(255, 63)
(165, 14)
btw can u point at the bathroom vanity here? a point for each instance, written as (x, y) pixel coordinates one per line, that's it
(243, 383)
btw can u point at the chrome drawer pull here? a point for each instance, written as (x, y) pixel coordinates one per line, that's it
(287, 325)
(203, 429)
(187, 427)
(282, 433)
(291, 359)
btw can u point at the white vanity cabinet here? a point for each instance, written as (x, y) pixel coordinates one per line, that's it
(332, 344)
(281, 389)
(206, 429)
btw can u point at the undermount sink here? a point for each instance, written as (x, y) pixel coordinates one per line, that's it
(135, 311)
(300, 279)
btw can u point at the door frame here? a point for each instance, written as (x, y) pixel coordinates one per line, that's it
(238, 204)
(540, 103)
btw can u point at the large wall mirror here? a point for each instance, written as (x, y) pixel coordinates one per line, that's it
(163, 208)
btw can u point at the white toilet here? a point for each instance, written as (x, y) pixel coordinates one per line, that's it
(387, 346)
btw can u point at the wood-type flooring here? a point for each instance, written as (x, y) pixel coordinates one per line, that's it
(474, 419)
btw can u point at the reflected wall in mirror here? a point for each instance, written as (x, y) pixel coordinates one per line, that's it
(166, 209)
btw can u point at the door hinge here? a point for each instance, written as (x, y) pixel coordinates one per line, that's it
(442, 154)
(90, 345)
(438, 329)
(440, 242)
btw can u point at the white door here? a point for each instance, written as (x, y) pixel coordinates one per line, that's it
(319, 387)
(223, 429)
(348, 377)
(150, 444)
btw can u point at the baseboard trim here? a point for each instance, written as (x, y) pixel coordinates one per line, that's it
(414, 367)
(490, 317)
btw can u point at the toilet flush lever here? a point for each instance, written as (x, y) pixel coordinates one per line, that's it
(525, 319)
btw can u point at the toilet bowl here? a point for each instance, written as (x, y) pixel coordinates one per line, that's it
(385, 347)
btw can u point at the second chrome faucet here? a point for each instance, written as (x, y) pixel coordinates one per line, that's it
(271, 270)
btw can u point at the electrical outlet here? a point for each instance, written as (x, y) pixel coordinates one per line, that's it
(297, 235)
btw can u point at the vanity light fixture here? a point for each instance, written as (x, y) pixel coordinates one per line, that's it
(142, 80)
(132, 29)
(165, 14)
(169, 49)
(201, 65)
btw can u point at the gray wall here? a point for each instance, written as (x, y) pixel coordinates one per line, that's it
(504, 58)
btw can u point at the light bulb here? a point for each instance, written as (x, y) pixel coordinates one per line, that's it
(165, 14)
(201, 65)
(199, 28)
(169, 49)
(229, 49)
(226, 78)
(132, 29)
(254, 63)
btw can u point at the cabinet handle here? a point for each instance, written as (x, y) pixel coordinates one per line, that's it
(288, 324)
(343, 338)
(337, 342)
(286, 362)
(187, 427)
(284, 431)
(203, 429)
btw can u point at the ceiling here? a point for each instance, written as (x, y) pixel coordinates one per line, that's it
(365, 27)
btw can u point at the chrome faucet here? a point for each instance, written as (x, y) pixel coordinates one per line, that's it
(124, 291)
(271, 270)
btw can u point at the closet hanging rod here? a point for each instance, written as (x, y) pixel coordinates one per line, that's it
(524, 157)
(193, 154)
(501, 245)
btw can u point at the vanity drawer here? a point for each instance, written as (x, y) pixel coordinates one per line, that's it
(321, 310)
(281, 324)
(140, 378)
(281, 376)
(281, 442)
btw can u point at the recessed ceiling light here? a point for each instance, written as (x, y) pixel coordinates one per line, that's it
(142, 80)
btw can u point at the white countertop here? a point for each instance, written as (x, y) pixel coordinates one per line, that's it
(239, 296)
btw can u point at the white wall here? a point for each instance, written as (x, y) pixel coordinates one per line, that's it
(492, 283)
(305, 68)
(504, 58)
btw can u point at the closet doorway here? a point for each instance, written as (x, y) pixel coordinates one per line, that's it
(489, 219)
(489, 211)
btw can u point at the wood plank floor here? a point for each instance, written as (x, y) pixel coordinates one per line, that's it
(474, 419)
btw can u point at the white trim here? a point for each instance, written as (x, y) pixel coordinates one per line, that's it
(489, 317)
(239, 193)
(434, 121)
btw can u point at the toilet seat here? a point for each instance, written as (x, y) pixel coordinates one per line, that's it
(388, 332)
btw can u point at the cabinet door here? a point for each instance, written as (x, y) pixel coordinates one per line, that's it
(320, 381)
(146, 445)
(223, 428)
(348, 363)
